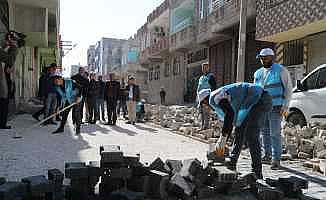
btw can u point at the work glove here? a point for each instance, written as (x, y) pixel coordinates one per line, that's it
(284, 112)
(220, 145)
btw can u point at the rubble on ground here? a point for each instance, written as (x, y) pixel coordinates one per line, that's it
(299, 143)
(122, 176)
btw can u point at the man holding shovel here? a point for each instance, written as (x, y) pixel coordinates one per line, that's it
(70, 93)
(243, 106)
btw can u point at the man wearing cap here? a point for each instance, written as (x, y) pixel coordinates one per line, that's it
(70, 93)
(243, 106)
(206, 81)
(133, 97)
(276, 80)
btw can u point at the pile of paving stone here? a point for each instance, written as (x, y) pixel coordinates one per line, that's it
(122, 176)
(183, 119)
(306, 143)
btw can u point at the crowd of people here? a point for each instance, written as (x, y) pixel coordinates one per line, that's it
(86, 94)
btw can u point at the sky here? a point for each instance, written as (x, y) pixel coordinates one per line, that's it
(84, 22)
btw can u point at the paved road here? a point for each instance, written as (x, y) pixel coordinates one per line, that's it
(39, 150)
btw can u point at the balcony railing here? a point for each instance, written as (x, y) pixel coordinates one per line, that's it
(182, 39)
(222, 9)
(153, 53)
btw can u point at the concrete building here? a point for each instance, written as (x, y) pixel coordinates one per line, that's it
(298, 27)
(40, 21)
(106, 56)
(91, 58)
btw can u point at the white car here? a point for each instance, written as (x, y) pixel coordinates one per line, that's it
(308, 103)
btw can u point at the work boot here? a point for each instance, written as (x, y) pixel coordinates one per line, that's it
(266, 160)
(276, 165)
(59, 130)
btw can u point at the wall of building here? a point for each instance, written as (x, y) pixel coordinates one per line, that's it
(316, 50)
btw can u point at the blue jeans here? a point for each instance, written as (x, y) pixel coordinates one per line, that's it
(271, 134)
(51, 104)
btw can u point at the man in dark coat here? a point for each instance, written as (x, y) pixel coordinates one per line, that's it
(92, 94)
(82, 80)
(112, 94)
(100, 99)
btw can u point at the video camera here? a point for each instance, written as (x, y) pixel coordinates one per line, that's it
(16, 36)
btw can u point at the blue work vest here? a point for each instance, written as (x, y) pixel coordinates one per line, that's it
(203, 82)
(272, 83)
(70, 94)
(243, 97)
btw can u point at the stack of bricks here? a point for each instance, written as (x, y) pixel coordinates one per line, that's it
(56, 177)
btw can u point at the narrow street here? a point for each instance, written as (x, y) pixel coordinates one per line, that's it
(39, 150)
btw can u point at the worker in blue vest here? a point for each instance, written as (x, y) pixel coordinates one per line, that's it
(276, 80)
(243, 106)
(206, 81)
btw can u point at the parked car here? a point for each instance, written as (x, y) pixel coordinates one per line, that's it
(308, 103)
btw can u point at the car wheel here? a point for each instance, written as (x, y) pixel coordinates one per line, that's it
(297, 118)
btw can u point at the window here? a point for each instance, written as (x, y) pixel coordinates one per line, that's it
(176, 66)
(167, 69)
(201, 9)
(157, 73)
(150, 74)
(293, 53)
(310, 82)
(321, 83)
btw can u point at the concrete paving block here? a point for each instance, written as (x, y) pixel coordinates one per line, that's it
(181, 182)
(224, 175)
(123, 173)
(292, 186)
(321, 154)
(158, 165)
(38, 185)
(304, 155)
(292, 149)
(266, 192)
(2, 180)
(131, 159)
(126, 195)
(190, 168)
(174, 165)
(306, 146)
(152, 183)
(12, 190)
(111, 154)
(56, 176)
(76, 170)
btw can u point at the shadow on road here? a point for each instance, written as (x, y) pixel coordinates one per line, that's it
(123, 130)
(320, 181)
(146, 128)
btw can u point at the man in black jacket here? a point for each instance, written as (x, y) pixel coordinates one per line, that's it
(81, 80)
(93, 93)
(132, 98)
(112, 94)
(100, 98)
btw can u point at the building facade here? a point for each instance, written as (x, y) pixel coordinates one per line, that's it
(91, 58)
(40, 22)
(298, 28)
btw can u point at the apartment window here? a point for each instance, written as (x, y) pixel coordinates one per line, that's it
(157, 73)
(150, 74)
(176, 66)
(167, 69)
(293, 53)
(201, 9)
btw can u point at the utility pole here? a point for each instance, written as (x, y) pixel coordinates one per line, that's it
(242, 42)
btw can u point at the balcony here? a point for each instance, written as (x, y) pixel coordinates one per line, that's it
(183, 39)
(285, 20)
(160, 47)
(226, 14)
